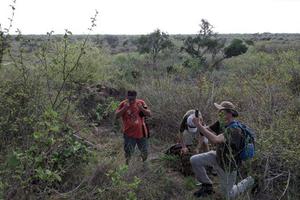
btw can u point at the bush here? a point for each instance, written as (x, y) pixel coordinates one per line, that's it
(294, 83)
(235, 48)
(40, 152)
(249, 42)
(52, 156)
(159, 94)
(154, 43)
(120, 188)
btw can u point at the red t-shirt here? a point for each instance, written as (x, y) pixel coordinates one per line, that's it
(133, 123)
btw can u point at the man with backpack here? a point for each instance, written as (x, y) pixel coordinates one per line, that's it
(234, 142)
(133, 112)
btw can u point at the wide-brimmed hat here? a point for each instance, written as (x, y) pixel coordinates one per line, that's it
(228, 106)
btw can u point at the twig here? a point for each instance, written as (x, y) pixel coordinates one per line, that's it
(74, 190)
(266, 169)
(287, 186)
(67, 74)
(272, 178)
(84, 140)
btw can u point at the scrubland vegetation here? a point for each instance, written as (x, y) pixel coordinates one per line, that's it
(59, 138)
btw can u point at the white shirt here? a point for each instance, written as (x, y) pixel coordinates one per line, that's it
(191, 126)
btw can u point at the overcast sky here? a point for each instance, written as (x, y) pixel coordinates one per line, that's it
(143, 16)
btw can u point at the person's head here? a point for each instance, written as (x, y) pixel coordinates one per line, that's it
(131, 96)
(227, 111)
(191, 126)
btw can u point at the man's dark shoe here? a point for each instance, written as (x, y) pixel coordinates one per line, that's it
(204, 191)
(256, 187)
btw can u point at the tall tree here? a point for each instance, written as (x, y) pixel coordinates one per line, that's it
(206, 44)
(4, 32)
(3, 46)
(154, 43)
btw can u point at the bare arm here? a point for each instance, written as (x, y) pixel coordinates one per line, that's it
(120, 111)
(214, 139)
(181, 140)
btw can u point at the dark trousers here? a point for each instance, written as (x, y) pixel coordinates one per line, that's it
(129, 147)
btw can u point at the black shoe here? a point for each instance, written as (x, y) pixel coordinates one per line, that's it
(204, 191)
(256, 187)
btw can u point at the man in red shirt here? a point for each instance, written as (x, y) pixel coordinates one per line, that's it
(133, 112)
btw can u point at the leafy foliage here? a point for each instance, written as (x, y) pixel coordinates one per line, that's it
(154, 43)
(204, 44)
(235, 48)
(44, 164)
(207, 45)
(120, 187)
(38, 148)
(106, 109)
(42, 87)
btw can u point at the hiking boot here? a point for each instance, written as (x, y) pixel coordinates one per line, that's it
(256, 187)
(204, 191)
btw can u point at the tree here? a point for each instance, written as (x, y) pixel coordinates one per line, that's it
(207, 45)
(204, 44)
(154, 43)
(236, 47)
(4, 33)
(3, 45)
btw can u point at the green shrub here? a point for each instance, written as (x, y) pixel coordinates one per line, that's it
(106, 109)
(235, 48)
(53, 155)
(120, 188)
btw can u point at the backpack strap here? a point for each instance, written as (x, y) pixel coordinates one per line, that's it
(234, 124)
(244, 128)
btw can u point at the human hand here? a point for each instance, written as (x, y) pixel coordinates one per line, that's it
(126, 105)
(184, 150)
(201, 121)
(196, 121)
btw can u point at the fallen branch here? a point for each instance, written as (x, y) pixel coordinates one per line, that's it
(84, 140)
(272, 178)
(69, 192)
(265, 173)
(287, 186)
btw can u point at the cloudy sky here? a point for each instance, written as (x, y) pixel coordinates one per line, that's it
(143, 16)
